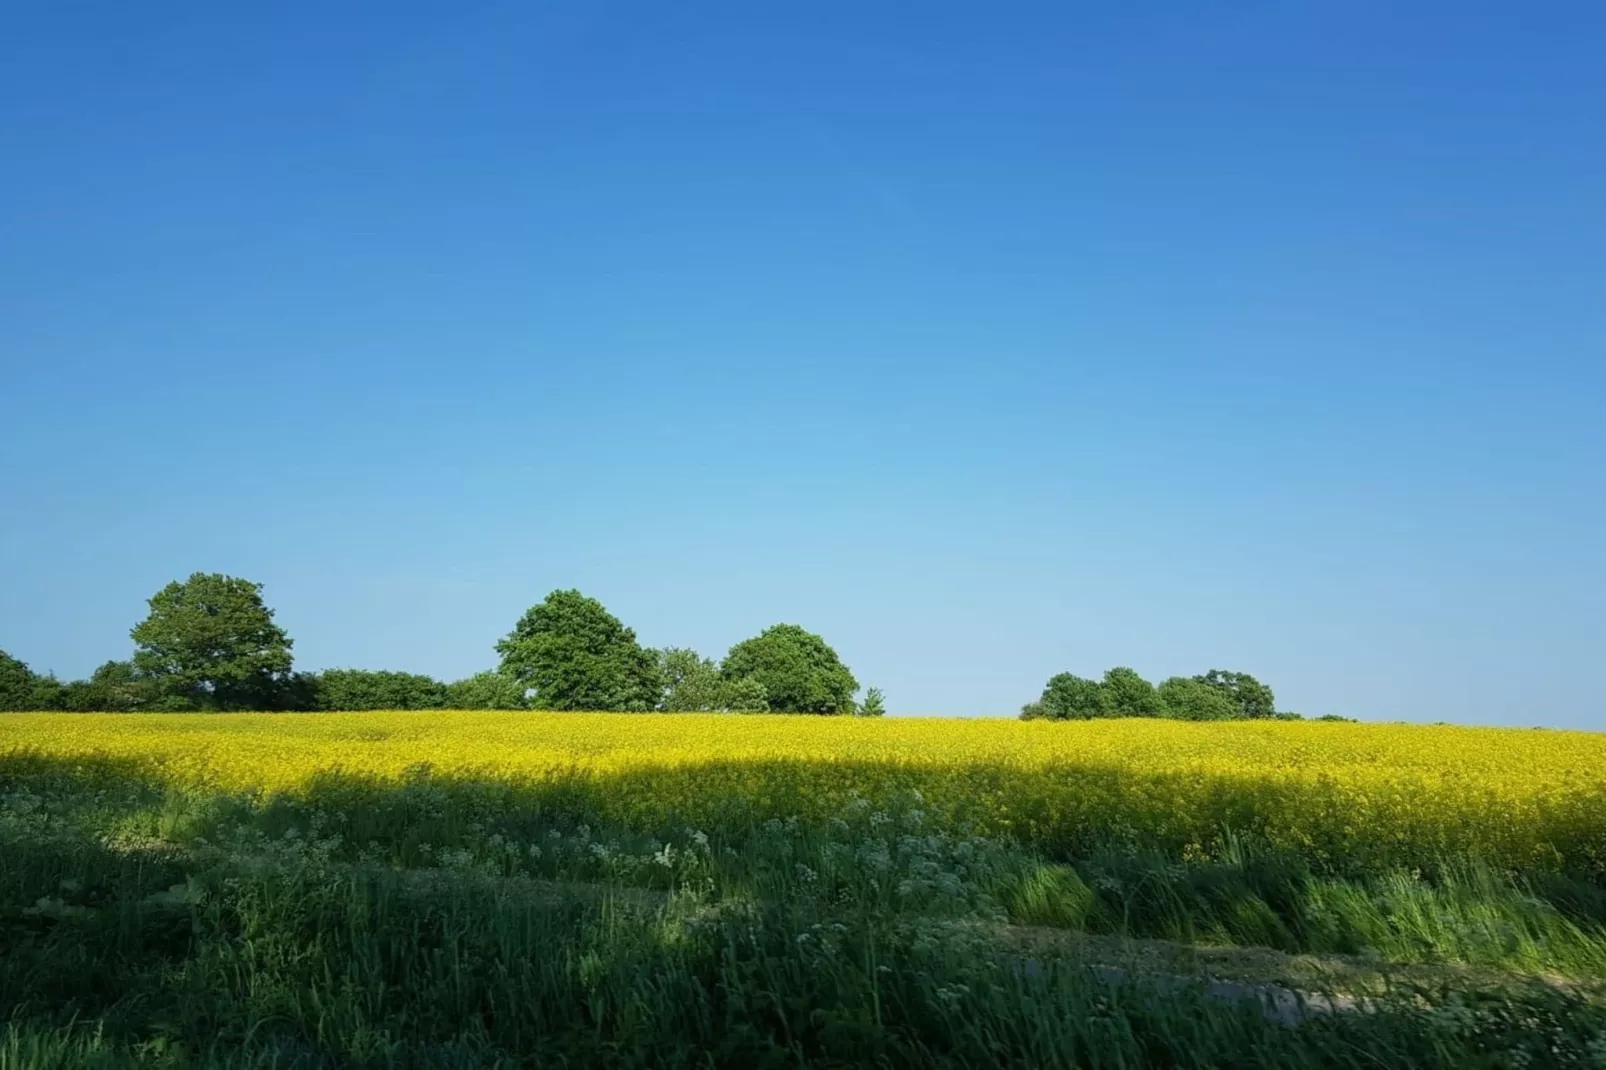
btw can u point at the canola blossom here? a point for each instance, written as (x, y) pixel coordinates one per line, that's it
(1345, 796)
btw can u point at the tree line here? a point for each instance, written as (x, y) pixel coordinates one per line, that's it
(210, 643)
(1218, 695)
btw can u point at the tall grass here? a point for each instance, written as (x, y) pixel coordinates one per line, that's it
(443, 923)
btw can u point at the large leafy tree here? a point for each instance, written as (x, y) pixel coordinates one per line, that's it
(575, 655)
(1067, 697)
(1253, 699)
(211, 640)
(798, 671)
(1126, 694)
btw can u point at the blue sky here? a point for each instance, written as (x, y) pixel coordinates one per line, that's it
(989, 341)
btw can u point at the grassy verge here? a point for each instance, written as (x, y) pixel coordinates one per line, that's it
(430, 924)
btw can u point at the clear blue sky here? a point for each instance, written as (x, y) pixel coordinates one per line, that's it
(989, 341)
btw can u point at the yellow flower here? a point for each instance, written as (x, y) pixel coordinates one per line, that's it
(1346, 794)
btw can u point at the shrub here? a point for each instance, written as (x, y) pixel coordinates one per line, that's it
(365, 689)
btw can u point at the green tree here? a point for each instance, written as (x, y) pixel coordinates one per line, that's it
(211, 640)
(874, 704)
(691, 681)
(17, 683)
(1126, 694)
(23, 689)
(798, 671)
(488, 690)
(119, 687)
(1191, 699)
(1253, 698)
(1068, 697)
(368, 689)
(692, 684)
(575, 655)
(299, 692)
(48, 693)
(746, 695)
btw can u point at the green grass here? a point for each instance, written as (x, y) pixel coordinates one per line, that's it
(450, 925)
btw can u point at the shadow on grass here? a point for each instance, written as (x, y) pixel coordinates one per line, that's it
(326, 954)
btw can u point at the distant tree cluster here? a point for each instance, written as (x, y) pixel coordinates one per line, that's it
(572, 654)
(210, 643)
(1217, 695)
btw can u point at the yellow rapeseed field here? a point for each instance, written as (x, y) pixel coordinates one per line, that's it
(1347, 795)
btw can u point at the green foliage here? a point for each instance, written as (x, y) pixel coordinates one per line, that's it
(119, 687)
(1213, 696)
(299, 692)
(691, 681)
(1191, 699)
(439, 923)
(1050, 895)
(211, 641)
(1126, 694)
(1068, 697)
(746, 695)
(1253, 699)
(18, 683)
(797, 670)
(366, 689)
(575, 655)
(488, 690)
(23, 689)
(692, 684)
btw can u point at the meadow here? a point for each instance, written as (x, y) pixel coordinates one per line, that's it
(526, 889)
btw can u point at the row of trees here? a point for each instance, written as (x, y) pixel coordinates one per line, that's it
(210, 643)
(1217, 695)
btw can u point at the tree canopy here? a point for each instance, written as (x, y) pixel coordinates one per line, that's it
(1126, 694)
(693, 684)
(1188, 698)
(488, 690)
(1214, 696)
(368, 689)
(118, 687)
(798, 671)
(23, 689)
(1067, 697)
(210, 641)
(1253, 699)
(575, 655)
